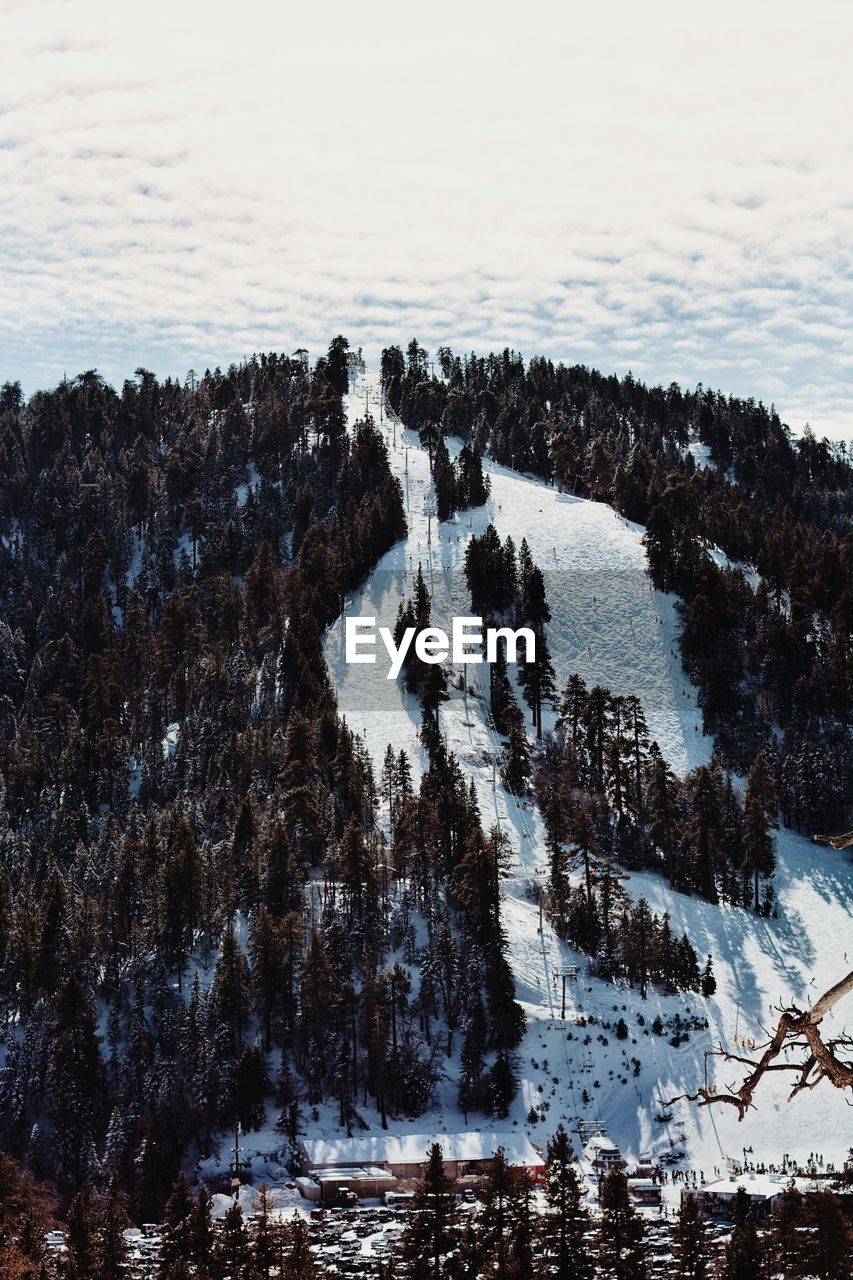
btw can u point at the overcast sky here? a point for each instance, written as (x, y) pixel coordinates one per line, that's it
(655, 186)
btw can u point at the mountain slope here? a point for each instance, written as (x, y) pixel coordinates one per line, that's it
(612, 628)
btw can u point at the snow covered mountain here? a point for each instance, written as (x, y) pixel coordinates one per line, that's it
(611, 627)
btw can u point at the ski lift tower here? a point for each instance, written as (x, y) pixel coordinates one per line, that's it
(430, 513)
(589, 1129)
(569, 974)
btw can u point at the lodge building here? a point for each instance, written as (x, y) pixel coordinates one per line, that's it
(375, 1164)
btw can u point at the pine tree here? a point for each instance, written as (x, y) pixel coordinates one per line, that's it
(709, 982)
(831, 1248)
(690, 1241)
(82, 1236)
(759, 807)
(337, 366)
(389, 782)
(705, 830)
(790, 1242)
(299, 1262)
(566, 1220)
(744, 1256)
(180, 892)
(661, 801)
(267, 954)
(536, 679)
(229, 993)
(515, 770)
(404, 777)
(265, 1244)
(233, 1254)
(115, 1145)
(300, 807)
(201, 1235)
(620, 1248)
(114, 1220)
(639, 943)
(473, 1051)
(176, 1235)
(76, 1083)
(520, 1255)
(501, 696)
(587, 849)
(659, 540)
(500, 1085)
(555, 819)
(431, 1229)
(496, 1215)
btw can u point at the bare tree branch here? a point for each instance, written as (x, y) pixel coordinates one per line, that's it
(797, 1031)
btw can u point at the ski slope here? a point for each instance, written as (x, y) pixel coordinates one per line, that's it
(612, 628)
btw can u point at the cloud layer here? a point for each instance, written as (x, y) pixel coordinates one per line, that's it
(651, 187)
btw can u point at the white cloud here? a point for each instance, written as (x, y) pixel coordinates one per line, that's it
(646, 185)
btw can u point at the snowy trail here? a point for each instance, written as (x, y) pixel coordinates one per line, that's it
(614, 630)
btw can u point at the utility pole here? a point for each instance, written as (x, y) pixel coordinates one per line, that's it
(235, 1172)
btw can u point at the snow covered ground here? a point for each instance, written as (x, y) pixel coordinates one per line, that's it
(611, 627)
(608, 624)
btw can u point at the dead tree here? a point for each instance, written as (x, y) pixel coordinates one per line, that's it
(835, 842)
(798, 1035)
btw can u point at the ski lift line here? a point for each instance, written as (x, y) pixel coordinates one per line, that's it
(587, 1062)
(710, 1111)
(570, 1065)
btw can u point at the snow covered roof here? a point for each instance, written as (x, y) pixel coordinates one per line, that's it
(601, 1143)
(413, 1148)
(753, 1185)
(355, 1174)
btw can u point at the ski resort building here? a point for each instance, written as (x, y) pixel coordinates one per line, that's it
(341, 1186)
(645, 1193)
(716, 1200)
(602, 1154)
(404, 1157)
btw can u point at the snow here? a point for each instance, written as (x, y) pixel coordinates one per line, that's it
(413, 1148)
(137, 548)
(701, 454)
(170, 740)
(599, 1145)
(611, 627)
(608, 624)
(241, 491)
(756, 1184)
(354, 1173)
(749, 572)
(184, 547)
(284, 1202)
(14, 540)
